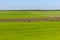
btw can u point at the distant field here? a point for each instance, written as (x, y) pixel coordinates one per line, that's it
(29, 31)
(28, 14)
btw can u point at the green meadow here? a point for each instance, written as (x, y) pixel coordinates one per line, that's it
(28, 14)
(30, 31)
(45, 30)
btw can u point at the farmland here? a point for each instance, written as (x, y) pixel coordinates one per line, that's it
(28, 14)
(43, 30)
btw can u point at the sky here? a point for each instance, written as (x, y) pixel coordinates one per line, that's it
(29, 4)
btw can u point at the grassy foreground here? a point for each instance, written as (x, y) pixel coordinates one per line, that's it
(30, 31)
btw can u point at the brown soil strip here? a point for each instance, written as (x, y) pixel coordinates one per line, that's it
(30, 19)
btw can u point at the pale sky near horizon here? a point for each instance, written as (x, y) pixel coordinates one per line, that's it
(29, 4)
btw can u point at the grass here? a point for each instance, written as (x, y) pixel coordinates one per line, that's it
(18, 14)
(28, 14)
(30, 31)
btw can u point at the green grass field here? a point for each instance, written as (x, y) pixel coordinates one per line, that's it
(49, 30)
(28, 14)
(30, 31)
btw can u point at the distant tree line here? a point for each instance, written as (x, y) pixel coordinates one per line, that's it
(29, 10)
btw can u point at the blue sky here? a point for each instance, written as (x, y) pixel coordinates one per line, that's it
(29, 4)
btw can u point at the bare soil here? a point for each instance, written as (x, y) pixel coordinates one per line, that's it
(30, 19)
